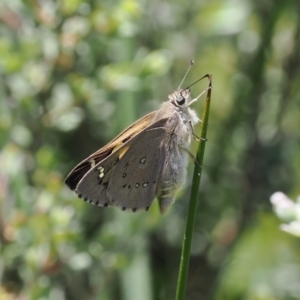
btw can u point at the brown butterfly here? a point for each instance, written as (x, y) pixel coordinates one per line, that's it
(147, 159)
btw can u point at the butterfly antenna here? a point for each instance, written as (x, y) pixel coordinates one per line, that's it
(205, 76)
(191, 63)
(209, 87)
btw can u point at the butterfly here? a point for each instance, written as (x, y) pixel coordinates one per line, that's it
(147, 159)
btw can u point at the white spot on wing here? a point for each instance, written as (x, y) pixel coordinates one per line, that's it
(101, 172)
(143, 160)
(92, 162)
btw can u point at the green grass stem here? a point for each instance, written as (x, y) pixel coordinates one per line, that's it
(188, 235)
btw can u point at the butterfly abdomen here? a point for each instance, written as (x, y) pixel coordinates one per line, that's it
(173, 175)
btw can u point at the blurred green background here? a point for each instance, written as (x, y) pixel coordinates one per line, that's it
(74, 73)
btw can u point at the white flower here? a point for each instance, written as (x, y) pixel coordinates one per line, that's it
(287, 210)
(283, 206)
(292, 228)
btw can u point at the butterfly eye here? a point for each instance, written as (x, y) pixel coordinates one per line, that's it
(180, 100)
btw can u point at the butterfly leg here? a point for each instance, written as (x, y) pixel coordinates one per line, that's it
(194, 159)
(196, 137)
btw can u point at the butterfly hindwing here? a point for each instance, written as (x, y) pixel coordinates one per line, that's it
(134, 180)
(103, 184)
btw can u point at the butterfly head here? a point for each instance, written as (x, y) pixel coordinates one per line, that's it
(180, 98)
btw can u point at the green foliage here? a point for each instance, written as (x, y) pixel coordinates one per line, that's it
(74, 73)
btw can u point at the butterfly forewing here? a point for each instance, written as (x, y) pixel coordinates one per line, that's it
(96, 185)
(81, 169)
(85, 166)
(92, 187)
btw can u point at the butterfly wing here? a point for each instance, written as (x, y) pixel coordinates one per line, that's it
(93, 185)
(134, 180)
(103, 185)
(86, 165)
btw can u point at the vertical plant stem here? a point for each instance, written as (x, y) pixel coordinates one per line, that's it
(188, 235)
